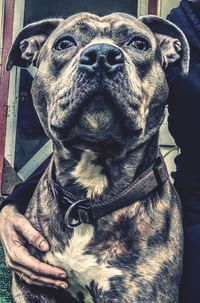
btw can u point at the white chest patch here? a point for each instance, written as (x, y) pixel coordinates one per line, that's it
(82, 268)
(89, 175)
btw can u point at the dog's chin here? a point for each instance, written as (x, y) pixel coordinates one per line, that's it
(100, 146)
(97, 127)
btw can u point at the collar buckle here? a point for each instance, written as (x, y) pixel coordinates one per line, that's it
(81, 211)
(158, 171)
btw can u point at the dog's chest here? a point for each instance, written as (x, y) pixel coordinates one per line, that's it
(81, 266)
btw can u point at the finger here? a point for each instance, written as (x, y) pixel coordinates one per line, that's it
(39, 279)
(31, 234)
(23, 258)
(32, 282)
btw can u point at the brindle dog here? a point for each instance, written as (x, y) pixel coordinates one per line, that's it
(100, 91)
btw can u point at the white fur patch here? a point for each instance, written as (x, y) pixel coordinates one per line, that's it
(82, 268)
(89, 175)
(92, 121)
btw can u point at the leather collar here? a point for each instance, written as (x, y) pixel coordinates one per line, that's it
(88, 211)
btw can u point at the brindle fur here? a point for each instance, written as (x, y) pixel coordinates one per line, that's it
(133, 255)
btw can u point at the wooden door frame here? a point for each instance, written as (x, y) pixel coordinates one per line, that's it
(7, 16)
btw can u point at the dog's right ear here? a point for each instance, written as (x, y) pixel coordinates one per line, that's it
(29, 41)
(172, 42)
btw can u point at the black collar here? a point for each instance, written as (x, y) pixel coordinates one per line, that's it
(87, 211)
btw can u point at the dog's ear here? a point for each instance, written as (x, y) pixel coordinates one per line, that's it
(172, 41)
(29, 41)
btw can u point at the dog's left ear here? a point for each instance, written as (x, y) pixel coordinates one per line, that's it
(29, 41)
(172, 41)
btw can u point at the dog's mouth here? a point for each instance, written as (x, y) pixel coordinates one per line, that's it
(97, 117)
(97, 125)
(100, 147)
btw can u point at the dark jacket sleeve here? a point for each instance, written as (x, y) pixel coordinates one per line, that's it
(23, 192)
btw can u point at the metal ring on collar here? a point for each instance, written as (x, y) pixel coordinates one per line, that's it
(21, 277)
(80, 205)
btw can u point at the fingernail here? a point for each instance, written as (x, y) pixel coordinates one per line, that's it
(63, 276)
(44, 246)
(62, 285)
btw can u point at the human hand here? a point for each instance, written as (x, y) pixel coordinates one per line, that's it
(15, 230)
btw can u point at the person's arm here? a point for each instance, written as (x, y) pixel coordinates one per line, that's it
(16, 230)
(23, 192)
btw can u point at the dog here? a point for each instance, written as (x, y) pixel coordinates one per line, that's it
(100, 92)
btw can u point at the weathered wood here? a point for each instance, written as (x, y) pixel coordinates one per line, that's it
(13, 93)
(10, 178)
(164, 7)
(153, 7)
(4, 79)
(142, 8)
(36, 161)
(2, 4)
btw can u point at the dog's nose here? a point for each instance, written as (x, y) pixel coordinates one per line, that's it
(101, 57)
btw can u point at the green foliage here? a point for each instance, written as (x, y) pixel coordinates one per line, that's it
(5, 280)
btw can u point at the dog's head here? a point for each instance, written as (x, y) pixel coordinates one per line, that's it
(100, 79)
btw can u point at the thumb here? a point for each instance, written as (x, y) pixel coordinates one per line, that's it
(32, 235)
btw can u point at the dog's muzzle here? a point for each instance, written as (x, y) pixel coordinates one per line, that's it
(96, 113)
(101, 57)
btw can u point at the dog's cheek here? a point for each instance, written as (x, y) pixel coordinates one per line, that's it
(137, 99)
(154, 97)
(130, 83)
(40, 101)
(60, 61)
(61, 93)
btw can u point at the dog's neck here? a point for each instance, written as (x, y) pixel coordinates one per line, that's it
(92, 175)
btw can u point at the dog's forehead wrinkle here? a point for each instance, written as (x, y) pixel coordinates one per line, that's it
(80, 20)
(101, 40)
(115, 22)
(84, 16)
(122, 19)
(129, 26)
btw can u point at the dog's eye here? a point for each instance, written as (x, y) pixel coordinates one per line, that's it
(139, 43)
(64, 43)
